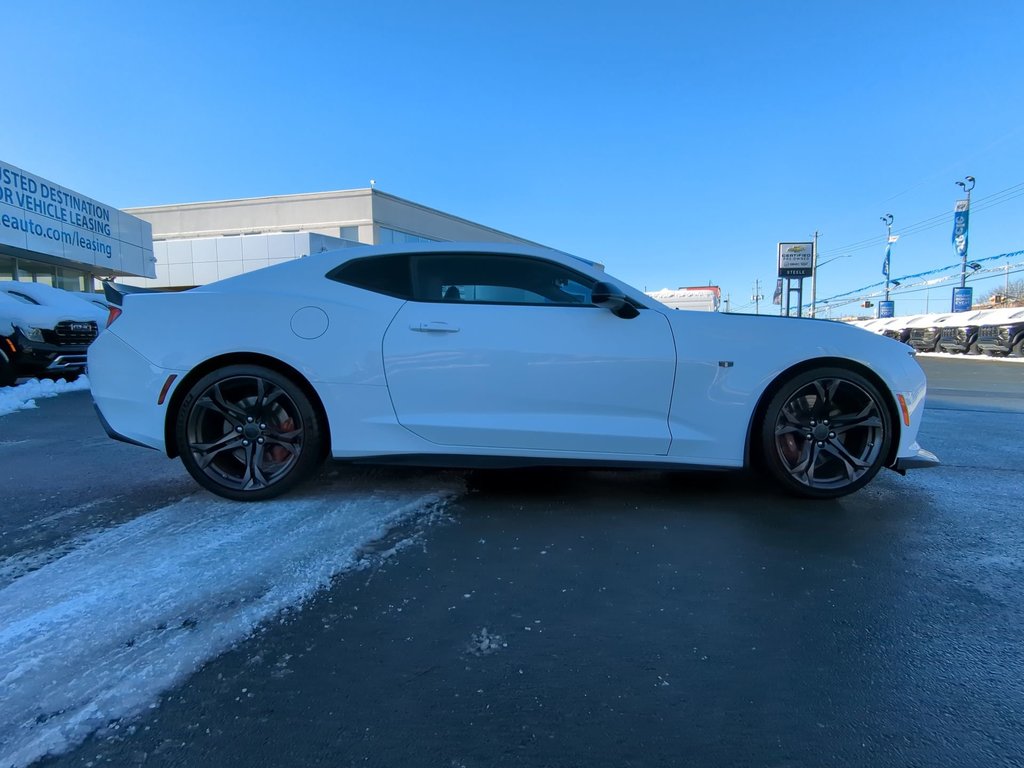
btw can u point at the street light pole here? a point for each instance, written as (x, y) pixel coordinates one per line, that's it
(814, 274)
(963, 264)
(887, 220)
(815, 266)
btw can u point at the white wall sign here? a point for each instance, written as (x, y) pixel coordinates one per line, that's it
(41, 217)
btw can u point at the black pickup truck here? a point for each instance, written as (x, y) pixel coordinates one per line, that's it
(44, 332)
(1004, 336)
(960, 334)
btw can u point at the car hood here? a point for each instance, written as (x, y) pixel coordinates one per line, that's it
(15, 313)
(776, 343)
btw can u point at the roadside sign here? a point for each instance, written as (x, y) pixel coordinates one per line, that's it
(963, 299)
(796, 259)
(886, 308)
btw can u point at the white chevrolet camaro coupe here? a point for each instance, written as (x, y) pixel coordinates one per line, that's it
(496, 355)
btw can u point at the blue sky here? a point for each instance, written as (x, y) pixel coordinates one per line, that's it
(675, 142)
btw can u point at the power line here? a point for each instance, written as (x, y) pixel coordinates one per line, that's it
(980, 204)
(869, 291)
(917, 289)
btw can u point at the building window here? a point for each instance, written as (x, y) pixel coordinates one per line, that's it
(71, 279)
(387, 236)
(36, 272)
(28, 271)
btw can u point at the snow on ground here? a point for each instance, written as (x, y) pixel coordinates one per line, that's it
(98, 633)
(979, 358)
(24, 396)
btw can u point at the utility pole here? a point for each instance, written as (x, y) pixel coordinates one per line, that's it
(727, 303)
(756, 298)
(814, 274)
(968, 180)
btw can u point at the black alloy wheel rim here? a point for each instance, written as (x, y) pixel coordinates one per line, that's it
(829, 433)
(245, 433)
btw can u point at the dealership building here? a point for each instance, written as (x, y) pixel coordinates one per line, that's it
(54, 235)
(51, 234)
(197, 243)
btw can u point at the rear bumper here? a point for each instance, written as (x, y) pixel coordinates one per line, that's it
(114, 434)
(125, 389)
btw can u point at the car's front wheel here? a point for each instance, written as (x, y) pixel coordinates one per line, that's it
(248, 433)
(7, 374)
(826, 433)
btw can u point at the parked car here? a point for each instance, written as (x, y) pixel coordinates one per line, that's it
(899, 328)
(926, 330)
(960, 333)
(892, 327)
(498, 355)
(44, 331)
(1003, 334)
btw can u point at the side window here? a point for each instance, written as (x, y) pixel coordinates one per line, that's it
(496, 279)
(381, 274)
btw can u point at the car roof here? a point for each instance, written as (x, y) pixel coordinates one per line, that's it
(514, 249)
(317, 265)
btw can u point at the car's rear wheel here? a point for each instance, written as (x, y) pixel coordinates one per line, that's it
(826, 433)
(248, 433)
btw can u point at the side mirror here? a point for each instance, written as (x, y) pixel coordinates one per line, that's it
(608, 296)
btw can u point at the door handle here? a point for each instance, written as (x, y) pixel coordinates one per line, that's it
(433, 327)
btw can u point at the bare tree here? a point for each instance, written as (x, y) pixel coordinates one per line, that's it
(1011, 293)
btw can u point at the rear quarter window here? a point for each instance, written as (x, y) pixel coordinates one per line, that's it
(388, 275)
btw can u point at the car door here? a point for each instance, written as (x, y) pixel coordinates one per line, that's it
(506, 352)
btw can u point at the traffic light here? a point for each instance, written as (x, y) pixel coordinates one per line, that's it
(867, 304)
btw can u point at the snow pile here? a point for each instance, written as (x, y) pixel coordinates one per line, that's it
(24, 396)
(483, 643)
(99, 633)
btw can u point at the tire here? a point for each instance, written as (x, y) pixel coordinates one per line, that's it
(7, 375)
(248, 433)
(1018, 348)
(826, 433)
(68, 377)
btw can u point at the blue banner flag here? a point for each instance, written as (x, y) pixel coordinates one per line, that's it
(960, 213)
(885, 264)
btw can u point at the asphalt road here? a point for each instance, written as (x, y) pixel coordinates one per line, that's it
(632, 618)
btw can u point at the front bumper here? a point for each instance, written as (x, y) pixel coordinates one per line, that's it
(921, 460)
(38, 358)
(1003, 347)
